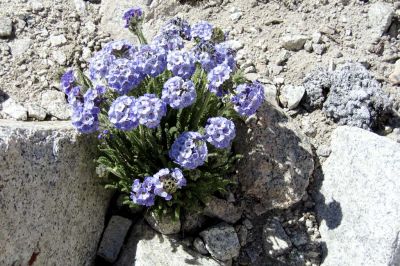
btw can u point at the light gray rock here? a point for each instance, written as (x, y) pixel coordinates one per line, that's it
(20, 46)
(221, 241)
(57, 40)
(165, 225)
(380, 17)
(275, 240)
(146, 247)
(317, 84)
(359, 199)
(36, 112)
(5, 27)
(394, 77)
(52, 205)
(14, 110)
(235, 44)
(290, 96)
(223, 210)
(278, 160)
(113, 238)
(59, 57)
(55, 104)
(294, 42)
(80, 6)
(270, 93)
(282, 57)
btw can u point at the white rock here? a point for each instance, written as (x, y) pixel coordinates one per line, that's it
(380, 17)
(14, 110)
(290, 96)
(294, 42)
(235, 45)
(52, 204)
(235, 16)
(55, 104)
(394, 77)
(359, 199)
(36, 5)
(36, 112)
(146, 247)
(20, 46)
(59, 57)
(5, 27)
(80, 6)
(86, 53)
(57, 40)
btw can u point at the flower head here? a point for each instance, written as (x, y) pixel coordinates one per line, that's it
(248, 98)
(181, 63)
(220, 132)
(202, 30)
(142, 193)
(120, 49)
(93, 98)
(74, 96)
(99, 64)
(178, 26)
(168, 181)
(179, 93)
(189, 150)
(150, 110)
(123, 113)
(67, 81)
(169, 40)
(133, 16)
(150, 60)
(123, 76)
(209, 55)
(216, 77)
(84, 120)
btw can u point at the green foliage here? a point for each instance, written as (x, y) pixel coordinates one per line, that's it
(128, 155)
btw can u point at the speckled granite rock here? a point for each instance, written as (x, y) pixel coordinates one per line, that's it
(52, 207)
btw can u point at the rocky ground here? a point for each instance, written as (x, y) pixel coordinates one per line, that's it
(326, 63)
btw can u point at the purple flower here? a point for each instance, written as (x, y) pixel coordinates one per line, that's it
(181, 63)
(150, 110)
(120, 49)
(224, 55)
(132, 16)
(202, 30)
(209, 55)
(151, 60)
(167, 181)
(74, 96)
(168, 40)
(189, 150)
(123, 76)
(99, 64)
(179, 27)
(93, 98)
(220, 132)
(216, 77)
(142, 193)
(248, 98)
(179, 93)
(84, 120)
(67, 81)
(123, 113)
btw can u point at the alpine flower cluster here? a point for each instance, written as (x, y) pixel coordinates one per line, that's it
(161, 89)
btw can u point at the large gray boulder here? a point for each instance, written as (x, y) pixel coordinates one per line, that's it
(278, 160)
(52, 206)
(359, 200)
(147, 247)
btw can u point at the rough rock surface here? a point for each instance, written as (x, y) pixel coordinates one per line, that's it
(146, 247)
(113, 238)
(52, 206)
(290, 96)
(277, 161)
(223, 210)
(317, 84)
(221, 241)
(358, 200)
(165, 224)
(275, 240)
(380, 17)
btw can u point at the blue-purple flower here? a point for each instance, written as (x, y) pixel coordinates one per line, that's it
(248, 98)
(189, 150)
(74, 96)
(178, 26)
(99, 64)
(178, 93)
(123, 76)
(84, 120)
(181, 63)
(216, 77)
(150, 110)
(67, 81)
(209, 55)
(132, 16)
(120, 49)
(220, 132)
(151, 60)
(169, 40)
(202, 30)
(143, 193)
(168, 181)
(123, 113)
(93, 98)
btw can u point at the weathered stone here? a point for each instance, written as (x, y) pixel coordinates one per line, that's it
(277, 161)
(221, 241)
(5, 27)
(58, 40)
(146, 247)
(199, 245)
(55, 104)
(36, 112)
(359, 198)
(394, 77)
(294, 42)
(192, 222)
(290, 96)
(20, 46)
(380, 17)
(223, 210)
(166, 225)
(14, 110)
(113, 238)
(275, 240)
(52, 206)
(59, 57)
